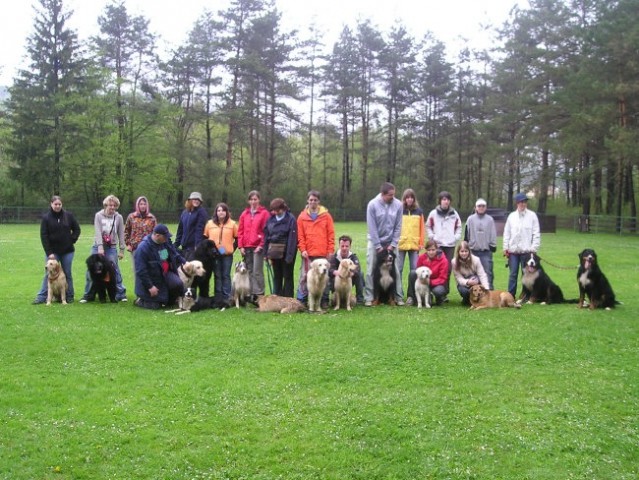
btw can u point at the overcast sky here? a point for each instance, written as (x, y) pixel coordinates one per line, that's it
(448, 20)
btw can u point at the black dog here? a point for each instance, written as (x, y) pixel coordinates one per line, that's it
(384, 278)
(593, 283)
(207, 253)
(203, 303)
(102, 273)
(537, 285)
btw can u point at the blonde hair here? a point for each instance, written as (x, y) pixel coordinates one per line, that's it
(111, 198)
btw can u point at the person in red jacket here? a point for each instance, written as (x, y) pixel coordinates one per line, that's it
(315, 239)
(438, 263)
(250, 240)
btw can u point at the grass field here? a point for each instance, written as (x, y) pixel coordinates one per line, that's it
(115, 392)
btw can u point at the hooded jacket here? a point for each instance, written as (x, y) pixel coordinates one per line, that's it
(445, 227)
(316, 236)
(438, 267)
(250, 232)
(412, 236)
(58, 232)
(138, 225)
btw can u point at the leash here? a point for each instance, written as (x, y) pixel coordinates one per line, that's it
(557, 266)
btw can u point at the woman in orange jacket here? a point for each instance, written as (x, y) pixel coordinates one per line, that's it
(223, 231)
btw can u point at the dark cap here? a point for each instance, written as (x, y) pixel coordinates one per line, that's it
(521, 197)
(162, 229)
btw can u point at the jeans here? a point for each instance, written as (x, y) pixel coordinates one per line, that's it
(516, 264)
(222, 271)
(412, 265)
(486, 259)
(120, 290)
(66, 261)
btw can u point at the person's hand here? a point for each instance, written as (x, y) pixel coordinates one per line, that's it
(242, 251)
(304, 254)
(258, 249)
(389, 248)
(121, 254)
(129, 248)
(52, 256)
(153, 291)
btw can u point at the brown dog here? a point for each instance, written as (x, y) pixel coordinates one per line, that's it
(344, 283)
(57, 282)
(482, 298)
(275, 303)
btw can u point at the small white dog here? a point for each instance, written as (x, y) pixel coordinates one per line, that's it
(241, 283)
(316, 281)
(344, 283)
(422, 287)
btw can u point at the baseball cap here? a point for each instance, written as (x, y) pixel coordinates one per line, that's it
(162, 229)
(480, 202)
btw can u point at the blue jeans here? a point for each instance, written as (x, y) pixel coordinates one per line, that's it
(222, 271)
(486, 259)
(120, 290)
(66, 261)
(516, 264)
(412, 265)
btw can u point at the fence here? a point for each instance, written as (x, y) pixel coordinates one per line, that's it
(549, 223)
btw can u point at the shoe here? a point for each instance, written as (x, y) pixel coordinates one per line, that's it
(38, 301)
(409, 301)
(368, 303)
(445, 300)
(83, 300)
(400, 303)
(70, 300)
(124, 299)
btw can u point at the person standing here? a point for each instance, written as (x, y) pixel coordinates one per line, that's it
(468, 271)
(344, 252)
(384, 226)
(108, 226)
(223, 231)
(190, 230)
(250, 239)
(156, 282)
(481, 235)
(522, 236)
(315, 239)
(280, 247)
(412, 237)
(59, 231)
(444, 226)
(138, 225)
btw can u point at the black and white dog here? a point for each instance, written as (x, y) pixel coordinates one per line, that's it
(537, 287)
(384, 278)
(593, 283)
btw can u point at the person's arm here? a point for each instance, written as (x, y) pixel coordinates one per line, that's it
(458, 227)
(44, 236)
(536, 232)
(371, 224)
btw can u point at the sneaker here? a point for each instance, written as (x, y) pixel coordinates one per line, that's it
(83, 300)
(445, 300)
(409, 301)
(400, 303)
(123, 299)
(368, 303)
(70, 300)
(38, 301)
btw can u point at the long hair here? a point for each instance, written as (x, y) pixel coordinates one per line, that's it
(460, 262)
(410, 193)
(137, 205)
(225, 208)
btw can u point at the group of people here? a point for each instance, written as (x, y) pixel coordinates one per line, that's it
(274, 236)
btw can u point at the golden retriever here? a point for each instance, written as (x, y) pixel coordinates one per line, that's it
(56, 281)
(189, 270)
(316, 281)
(278, 304)
(344, 283)
(422, 287)
(482, 298)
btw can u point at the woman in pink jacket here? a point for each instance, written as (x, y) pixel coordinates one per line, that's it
(250, 240)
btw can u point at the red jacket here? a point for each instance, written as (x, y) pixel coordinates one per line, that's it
(438, 266)
(316, 237)
(250, 233)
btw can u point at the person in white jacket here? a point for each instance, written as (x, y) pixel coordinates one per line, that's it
(522, 236)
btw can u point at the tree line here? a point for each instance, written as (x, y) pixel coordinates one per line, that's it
(243, 104)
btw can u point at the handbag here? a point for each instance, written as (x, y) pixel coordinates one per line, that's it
(276, 251)
(107, 237)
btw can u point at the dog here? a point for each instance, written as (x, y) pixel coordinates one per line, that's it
(344, 284)
(278, 304)
(593, 283)
(482, 298)
(189, 271)
(185, 303)
(206, 252)
(241, 286)
(537, 285)
(103, 278)
(56, 282)
(422, 286)
(316, 281)
(384, 278)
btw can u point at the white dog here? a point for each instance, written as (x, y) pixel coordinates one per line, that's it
(422, 287)
(344, 283)
(241, 283)
(56, 282)
(316, 281)
(189, 270)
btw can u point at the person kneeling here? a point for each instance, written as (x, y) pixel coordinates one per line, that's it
(468, 271)
(437, 262)
(157, 284)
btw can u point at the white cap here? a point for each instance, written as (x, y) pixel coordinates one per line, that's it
(480, 201)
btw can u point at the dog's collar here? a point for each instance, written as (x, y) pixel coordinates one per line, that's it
(183, 271)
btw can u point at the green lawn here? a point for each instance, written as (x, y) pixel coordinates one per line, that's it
(115, 392)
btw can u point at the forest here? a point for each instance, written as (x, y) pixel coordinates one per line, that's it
(551, 109)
